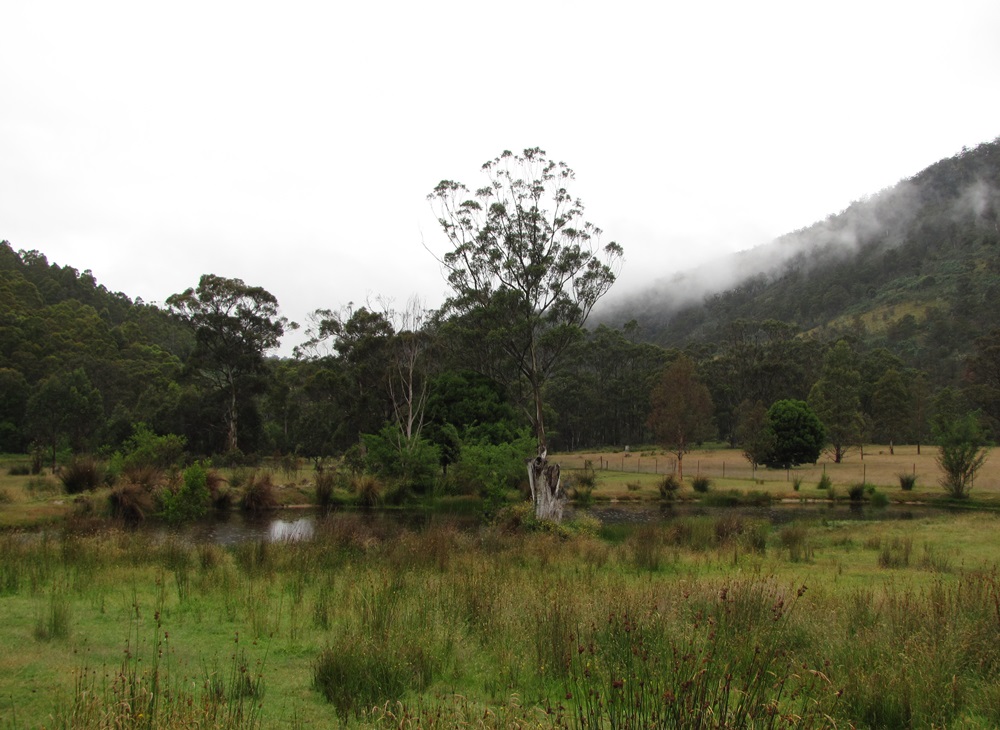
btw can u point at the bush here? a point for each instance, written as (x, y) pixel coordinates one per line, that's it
(191, 499)
(415, 463)
(259, 493)
(907, 481)
(19, 470)
(355, 675)
(369, 490)
(482, 464)
(701, 484)
(825, 482)
(84, 473)
(796, 483)
(131, 502)
(145, 449)
(880, 499)
(961, 454)
(325, 482)
(670, 485)
(856, 492)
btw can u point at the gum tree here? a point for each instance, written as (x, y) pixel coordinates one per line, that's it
(527, 269)
(235, 325)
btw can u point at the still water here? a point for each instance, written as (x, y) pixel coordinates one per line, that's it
(301, 524)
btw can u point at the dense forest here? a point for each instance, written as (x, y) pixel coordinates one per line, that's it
(893, 300)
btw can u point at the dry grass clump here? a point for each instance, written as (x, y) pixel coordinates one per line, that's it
(369, 490)
(82, 474)
(259, 493)
(131, 502)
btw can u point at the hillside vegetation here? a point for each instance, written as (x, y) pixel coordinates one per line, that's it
(912, 268)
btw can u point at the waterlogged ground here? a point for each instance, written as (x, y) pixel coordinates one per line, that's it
(758, 620)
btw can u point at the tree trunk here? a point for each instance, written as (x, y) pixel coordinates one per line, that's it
(546, 487)
(231, 438)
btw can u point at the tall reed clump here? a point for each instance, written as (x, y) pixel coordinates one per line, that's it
(907, 481)
(259, 494)
(825, 482)
(82, 474)
(670, 485)
(701, 484)
(368, 489)
(131, 502)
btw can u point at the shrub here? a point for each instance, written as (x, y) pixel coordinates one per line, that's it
(191, 499)
(880, 499)
(961, 454)
(907, 481)
(325, 482)
(355, 675)
(148, 477)
(796, 483)
(369, 490)
(84, 473)
(825, 482)
(259, 493)
(19, 470)
(669, 487)
(856, 492)
(582, 490)
(131, 502)
(144, 448)
(701, 484)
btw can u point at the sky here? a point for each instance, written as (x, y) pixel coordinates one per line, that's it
(293, 145)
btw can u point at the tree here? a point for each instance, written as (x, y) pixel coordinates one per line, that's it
(961, 453)
(891, 406)
(65, 405)
(797, 434)
(836, 399)
(753, 432)
(682, 410)
(529, 270)
(235, 325)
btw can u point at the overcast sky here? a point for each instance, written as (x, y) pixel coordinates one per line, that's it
(293, 144)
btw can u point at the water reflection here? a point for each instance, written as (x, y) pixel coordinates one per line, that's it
(294, 525)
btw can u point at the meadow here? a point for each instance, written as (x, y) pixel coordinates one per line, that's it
(719, 620)
(699, 622)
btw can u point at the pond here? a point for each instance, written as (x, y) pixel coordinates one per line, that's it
(301, 524)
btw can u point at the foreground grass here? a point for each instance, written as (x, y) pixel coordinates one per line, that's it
(720, 621)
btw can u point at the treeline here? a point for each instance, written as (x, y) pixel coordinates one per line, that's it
(80, 367)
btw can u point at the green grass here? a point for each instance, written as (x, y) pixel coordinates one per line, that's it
(380, 625)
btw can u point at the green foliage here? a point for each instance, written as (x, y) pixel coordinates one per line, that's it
(961, 453)
(414, 463)
(825, 482)
(524, 266)
(190, 500)
(907, 481)
(797, 434)
(144, 448)
(500, 465)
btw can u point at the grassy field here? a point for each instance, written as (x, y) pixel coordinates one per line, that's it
(636, 474)
(722, 620)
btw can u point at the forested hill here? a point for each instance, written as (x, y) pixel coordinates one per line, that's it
(58, 322)
(913, 268)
